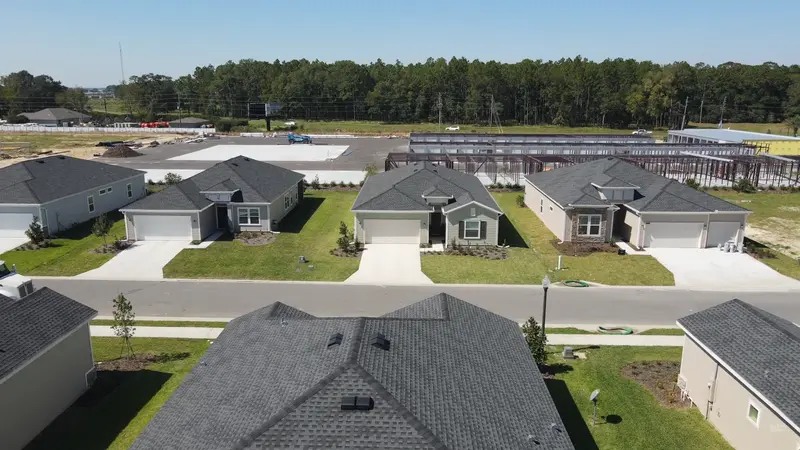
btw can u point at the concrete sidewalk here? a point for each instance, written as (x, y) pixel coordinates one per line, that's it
(552, 339)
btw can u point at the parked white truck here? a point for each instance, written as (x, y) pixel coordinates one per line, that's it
(12, 284)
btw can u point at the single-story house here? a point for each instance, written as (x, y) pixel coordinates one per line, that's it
(57, 117)
(189, 122)
(609, 198)
(437, 374)
(741, 369)
(61, 191)
(240, 194)
(46, 362)
(425, 203)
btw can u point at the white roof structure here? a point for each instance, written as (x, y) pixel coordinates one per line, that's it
(723, 136)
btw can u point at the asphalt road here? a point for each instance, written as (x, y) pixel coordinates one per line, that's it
(621, 306)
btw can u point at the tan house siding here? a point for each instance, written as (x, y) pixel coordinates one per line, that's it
(488, 231)
(43, 389)
(553, 217)
(634, 226)
(731, 399)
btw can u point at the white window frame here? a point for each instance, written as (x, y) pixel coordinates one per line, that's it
(90, 203)
(102, 191)
(472, 212)
(467, 230)
(109, 190)
(541, 205)
(287, 201)
(249, 217)
(752, 404)
(589, 224)
(129, 189)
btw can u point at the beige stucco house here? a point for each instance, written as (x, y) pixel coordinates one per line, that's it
(741, 369)
(425, 203)
(46, 362)
(610, 198)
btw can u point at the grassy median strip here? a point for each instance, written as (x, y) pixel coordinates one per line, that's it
(532, 254)
(662, 332)
(165, 323)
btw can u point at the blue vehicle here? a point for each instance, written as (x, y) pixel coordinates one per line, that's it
(299, 138)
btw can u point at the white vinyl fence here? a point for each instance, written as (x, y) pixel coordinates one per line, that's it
(110, 130)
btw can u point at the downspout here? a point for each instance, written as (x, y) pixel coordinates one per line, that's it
(712, 394)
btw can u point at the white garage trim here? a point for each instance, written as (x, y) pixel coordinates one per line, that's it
(722, 232)
(162, 228)
(673, 234)
(391, 231)
(13, 225)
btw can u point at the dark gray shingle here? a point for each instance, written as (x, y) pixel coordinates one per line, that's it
(29, 325)
(456, 376)
(55, 114)
(762, 348)
(46, 179)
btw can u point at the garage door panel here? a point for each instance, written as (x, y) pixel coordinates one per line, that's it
(13, 225)
(673, 234)
(722, 232)
(163, 228)
(388, 231)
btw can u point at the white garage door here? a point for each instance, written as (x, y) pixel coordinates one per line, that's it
(163, 228)
(13, 225)
(672, 235)
(400, 231)
(722, 232)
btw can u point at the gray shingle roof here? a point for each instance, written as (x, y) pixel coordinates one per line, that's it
(46, 179)
(572, 185)
(55, 114)
(29, 325)
(259, 182)
(455, 376)
(402, 189)
(762, 348)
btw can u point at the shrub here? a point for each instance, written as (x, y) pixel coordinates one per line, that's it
(520, 201)
(315, 182)
(771, 187)
(509, 186)
(101, 227)
(172, 178)
(351, 184)
(692, 183)
(342, 184)
(15, 118)
(744, 185)
(35, 232)
(516, 187)
(536, 342)
(226, 125)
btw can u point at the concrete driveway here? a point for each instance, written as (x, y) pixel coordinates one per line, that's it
(142, 261)
(711, 269)
(7, 244)
(390, 264)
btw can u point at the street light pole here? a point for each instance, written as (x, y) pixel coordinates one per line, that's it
(545, 286)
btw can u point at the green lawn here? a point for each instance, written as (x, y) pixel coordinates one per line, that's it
(775, 223)
(115, 420)
(636, 419)
(310, 230)
(69, 254)
(532, 255)
(166, 323)
(662, 332)
(569, 330)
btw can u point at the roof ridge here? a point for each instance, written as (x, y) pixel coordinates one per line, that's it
(760, 313)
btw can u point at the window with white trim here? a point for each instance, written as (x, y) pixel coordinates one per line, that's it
(753, 412)
(287, 201)
(249, 216)
(90, 201)
(472, 229)
(105, 191)
(472, 212)
(102, 191)
(541, 205)
(589, 224)
(130, 190)
(109, 189)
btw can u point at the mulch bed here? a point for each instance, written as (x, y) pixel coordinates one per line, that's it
(349, 253)
(121, 151)
(111, 249)
(583, 248)
(485, 252)
(255, 238)
(660, 378)
(31, 246)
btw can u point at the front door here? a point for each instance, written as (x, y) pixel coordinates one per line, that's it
(222, 217)
(436, 225)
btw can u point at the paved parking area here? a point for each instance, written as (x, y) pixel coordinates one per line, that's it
(7, 244)
(296, 152)
(143, 261)
(711, 269)
(390, 264)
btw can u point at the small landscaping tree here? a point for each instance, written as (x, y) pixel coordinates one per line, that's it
(172, 178)
(744, 185)
(520, 201)
(345, 237)
(370, 170)
(315, 182)
(101, 227)
(124, 323)
(536, 342)
(35, 232)
(692, 183)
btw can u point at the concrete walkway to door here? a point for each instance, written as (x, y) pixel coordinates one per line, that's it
(144, 260)
(391, 264)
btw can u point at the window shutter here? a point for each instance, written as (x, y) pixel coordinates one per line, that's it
(483, 229)
(461, 229)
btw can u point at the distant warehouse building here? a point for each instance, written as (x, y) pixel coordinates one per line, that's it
(189, 122)
(771, 143)
(56, 117)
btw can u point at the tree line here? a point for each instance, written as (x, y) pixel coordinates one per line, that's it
(568, 92)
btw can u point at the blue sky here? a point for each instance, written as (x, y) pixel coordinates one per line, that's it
(78, 44)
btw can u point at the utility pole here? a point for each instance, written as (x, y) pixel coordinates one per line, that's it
(685, 105)
(491, 112)
(722, 112)
(702, 100)
(180, 113)
(105, 108)
(439, 105)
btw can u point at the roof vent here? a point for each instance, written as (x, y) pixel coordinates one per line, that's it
(234, 164)
(40, 161)
(335, 339)
(246, 159)
(352, 403)
(379, 340)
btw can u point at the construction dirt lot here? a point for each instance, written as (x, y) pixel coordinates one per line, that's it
(16, 147)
